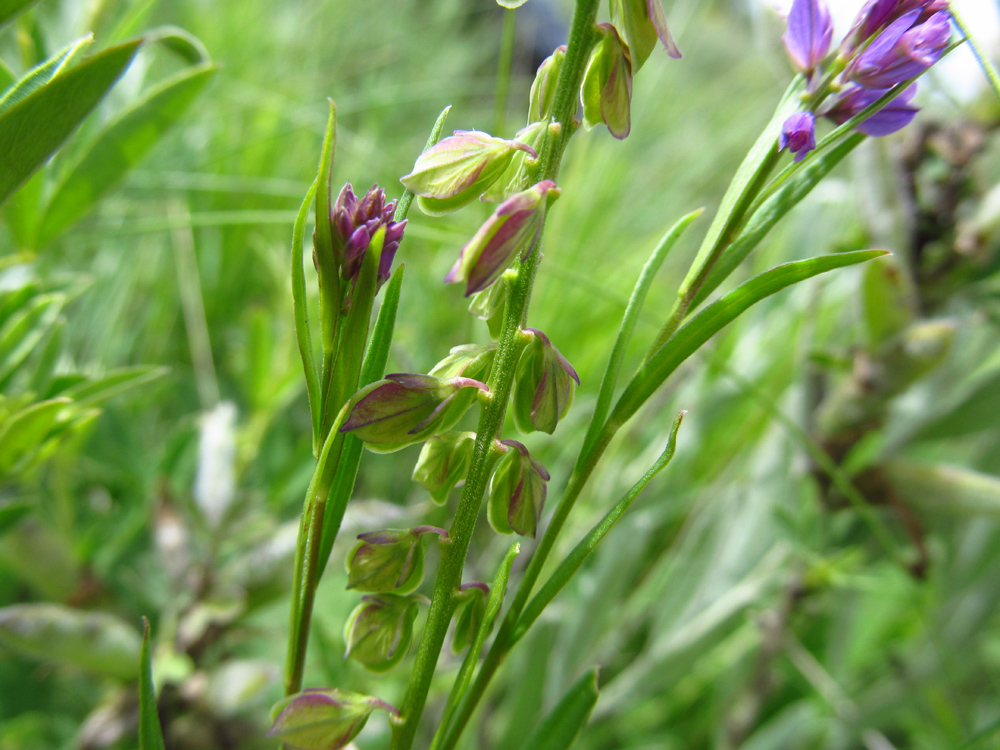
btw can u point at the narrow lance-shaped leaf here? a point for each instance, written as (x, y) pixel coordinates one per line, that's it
(150, 733)
(34, 128)
(119, 147)
(44, 72)
(300, 310)
(563, 723)
(715, 317)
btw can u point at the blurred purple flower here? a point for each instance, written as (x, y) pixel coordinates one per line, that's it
(810, 32)
(903, 50)
(798, 134)
(877, 14)
(895, 116)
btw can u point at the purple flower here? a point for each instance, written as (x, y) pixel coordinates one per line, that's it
(810, 32)
(903, 50)
(798, 134)
(355, 223)
(877, 14)
(895, 116)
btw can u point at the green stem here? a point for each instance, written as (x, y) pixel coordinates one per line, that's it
(503, 70)
(455, 550)
(977, 49)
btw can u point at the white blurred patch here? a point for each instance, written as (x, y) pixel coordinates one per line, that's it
(215, 482)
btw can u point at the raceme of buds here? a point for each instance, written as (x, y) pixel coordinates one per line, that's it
(543, 385)
(403, 409)
(543, 88)
(810, 32)
(798, 134)
(896, 115)
(489, 305)
(517, 491)
(379, 630)
(903, 50)
(443, 463)
(470, 611)
(459, 169)
(512, 230)
(355, 223)
(643, 22)
(607, 84)
(317, 719)
(390, 561)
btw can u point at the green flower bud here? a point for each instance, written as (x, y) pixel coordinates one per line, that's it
(606, 93)
(459, 169)
(543, 88)
(388, 561)
(517, 491)
(490, 304)
(443, 463)
(379, 631)
(322, 719)
(466, 361)
(404, 409)
(470, 611)
(543, 386)
(516, 177)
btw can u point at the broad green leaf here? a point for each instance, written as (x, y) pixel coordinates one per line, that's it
(772, 210)
(44, 72)
(95, 641)
(119, 147)
(10, 8)
(24, 432)
(10, 514)
(34, 128)
(92, 392)
(150, 733)
(22, 332)
(563, 723)
(717, 316)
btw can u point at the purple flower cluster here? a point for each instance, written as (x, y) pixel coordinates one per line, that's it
(355, 223)
(890, 42)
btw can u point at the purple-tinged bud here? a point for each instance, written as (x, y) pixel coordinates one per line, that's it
(798, 134)
(516, 177)
(512, 230)
(467, 361)
(470, 612)
(443, 463)
(809, 34)
(643, 22)
(459, 169)
(543, 88)
(904, 50)
(606, 93)
(355, 222)
(543, 386)
(403, 409)
(390, 561)
(489, 305)
(379, 630)
(517, 491)
(317, 719)
(895, 116)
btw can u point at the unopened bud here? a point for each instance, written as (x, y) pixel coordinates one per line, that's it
(607, 84)
(404, 409)
(390, 561)
(466, 361)
(543, 88)
(443, 463)
(543, 386)
(516, 177)
(512, 230)
(517, 491)
(322, 719)
(471, 610)
(379, 630)
(489, 305)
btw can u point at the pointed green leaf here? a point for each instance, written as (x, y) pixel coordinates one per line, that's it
(44, 72)
(150, 733)
(34, 128)
(119, 147)
(115, 382)
(563, 723)
(26, 430)
(23, 330)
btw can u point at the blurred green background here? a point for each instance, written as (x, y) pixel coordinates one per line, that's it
(745, 602)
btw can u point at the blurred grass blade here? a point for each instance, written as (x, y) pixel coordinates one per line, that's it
(464, 678)
(10, 8)
(563, 723)
(44, 72)
(571, 564)
(24, 330)
(717, 316)
(150, 733)
(406, 199)
(989, 69)
(34, 128)
(119, 147)
(631, 317)
(11, 514)
(371, 370)
(944, 489)
(182, 43)
(772, 211)
(301, 312)
(24, 432)
(95, 641)
(118, 381)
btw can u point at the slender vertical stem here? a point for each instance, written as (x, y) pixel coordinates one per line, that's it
(503, 71)
(455, 550)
